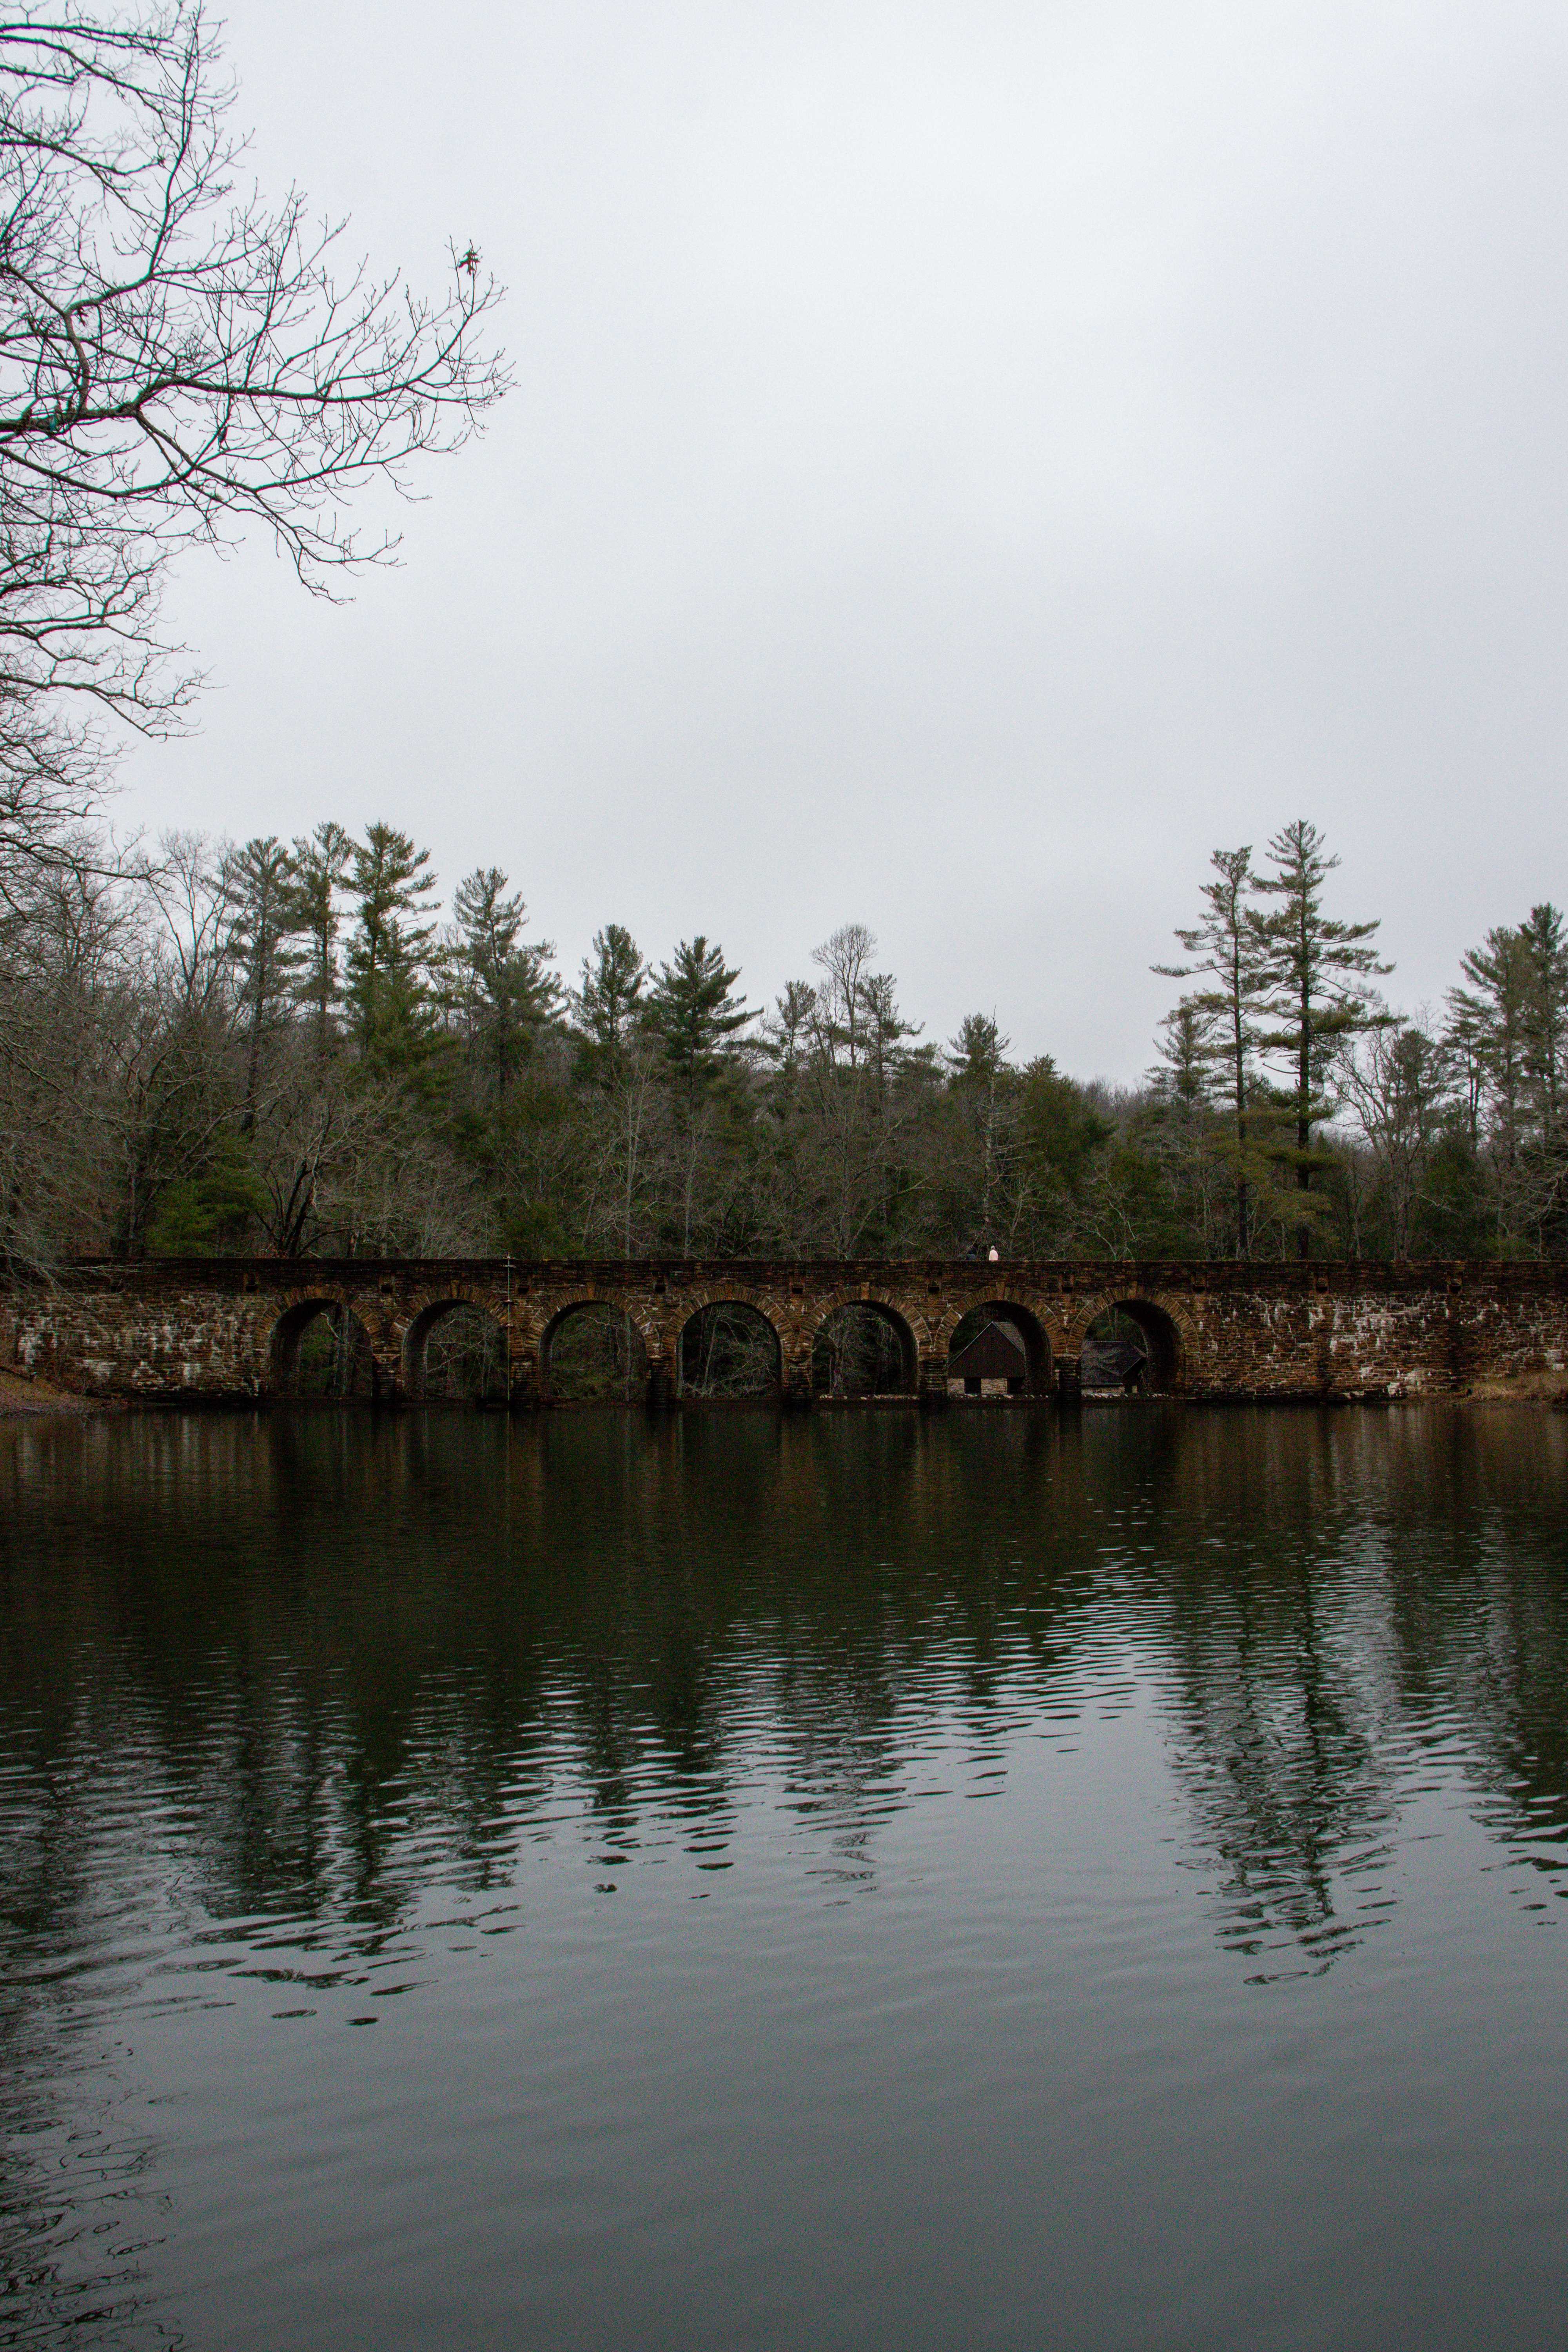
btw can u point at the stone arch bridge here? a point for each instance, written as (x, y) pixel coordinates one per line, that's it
(231, 1328)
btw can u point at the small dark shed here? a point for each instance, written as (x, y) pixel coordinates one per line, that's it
(997, 1354)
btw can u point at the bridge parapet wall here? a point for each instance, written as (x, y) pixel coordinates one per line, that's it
(205, 1327)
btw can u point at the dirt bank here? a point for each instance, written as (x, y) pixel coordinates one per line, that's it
(21, 1395)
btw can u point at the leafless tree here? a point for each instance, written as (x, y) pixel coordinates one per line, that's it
(179, 359)
(1400, 1083)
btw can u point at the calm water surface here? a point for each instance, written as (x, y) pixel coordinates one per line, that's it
(990, 1881)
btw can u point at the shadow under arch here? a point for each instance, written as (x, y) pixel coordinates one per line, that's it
(1130, 1327)
(592, 1352)
(472, 1349)
(729, 1347)
(1030, 1331)
(863, 1347)
(320, 1349)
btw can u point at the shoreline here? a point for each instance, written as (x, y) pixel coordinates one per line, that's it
(24, 1397)
(27, 1398)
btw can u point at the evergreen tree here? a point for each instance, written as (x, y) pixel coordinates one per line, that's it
(1187, 1052)
(609, 997)
(318, 870)
(1493, 1014)
(978, 1055)
(1546, 952)
(885, 1030)
(1225, 950)
(1511, 1024)
(504, 989)
(1311, 964)
(390, 952)
(693, 1012)
(983, 1085)
(257, 887)
(786, 1034)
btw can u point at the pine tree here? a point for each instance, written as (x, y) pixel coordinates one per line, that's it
(984, 1087)
(1311, 963)
(1490, 1018)
(608, 999)
(259, 892)
(1187, 1053)
(786, 1034)
(694, 1013)
(504, 990)
(1545, 953)
(319, 869)
(1511, 1023)
(978, 1055)
(1225, 949)
(394, 934)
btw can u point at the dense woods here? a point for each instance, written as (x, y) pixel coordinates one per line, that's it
(284, 1047)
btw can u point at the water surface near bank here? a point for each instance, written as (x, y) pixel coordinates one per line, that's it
(991, 1879)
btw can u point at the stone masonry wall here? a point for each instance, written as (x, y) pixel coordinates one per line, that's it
(208, 1327)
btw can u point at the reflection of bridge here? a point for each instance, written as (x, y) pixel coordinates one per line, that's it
(233, 1327)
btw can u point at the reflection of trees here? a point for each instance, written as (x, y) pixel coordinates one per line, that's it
(1347, 1608)
(344, 1654)
(76, 2185)
(1274, 1646)
(348, 1663)
(310, 1681)
(1280, 1759)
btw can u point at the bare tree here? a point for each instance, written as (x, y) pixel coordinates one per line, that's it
(1401, 1085)
(179, 360)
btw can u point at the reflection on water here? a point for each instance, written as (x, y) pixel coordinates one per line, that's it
(451, 1726)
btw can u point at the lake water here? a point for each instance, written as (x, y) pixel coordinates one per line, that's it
(991, 1880)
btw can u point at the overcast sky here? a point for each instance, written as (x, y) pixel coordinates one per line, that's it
(967, 462)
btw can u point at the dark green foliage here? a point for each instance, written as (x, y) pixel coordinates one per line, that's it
(211, 1215)
(196, 1064)
(501, 990)
(1310, 967)
(318, 870)
(693, 1012)
(608, 999)
(391, 947)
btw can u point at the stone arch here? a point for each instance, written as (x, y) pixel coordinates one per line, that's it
(721, 1326)
(894, 1320)
(354, 1372)
(417, 1338)
(623, 1376)
(1161, 1324)
(1030, 1327)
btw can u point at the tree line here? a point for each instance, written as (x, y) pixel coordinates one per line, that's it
(284, 1047)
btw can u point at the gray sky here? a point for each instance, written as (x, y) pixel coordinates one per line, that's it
(967, 462)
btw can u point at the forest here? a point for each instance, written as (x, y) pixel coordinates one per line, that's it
(297, 1048)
